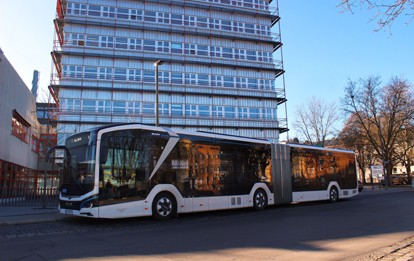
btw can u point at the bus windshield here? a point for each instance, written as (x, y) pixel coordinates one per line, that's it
(79, 165)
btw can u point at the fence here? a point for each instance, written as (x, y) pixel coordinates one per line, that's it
(20, 186)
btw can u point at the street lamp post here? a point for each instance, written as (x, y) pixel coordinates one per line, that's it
(156, 64)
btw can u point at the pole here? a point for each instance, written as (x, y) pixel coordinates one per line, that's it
(44, 189)
(156, 96)
(156, 64)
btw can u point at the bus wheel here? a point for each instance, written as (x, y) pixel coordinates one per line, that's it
(260, 199)
(164, 206)
(333, 194)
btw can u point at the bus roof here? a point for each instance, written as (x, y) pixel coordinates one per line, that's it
(180, 132)
(318, 148)
(207, 134)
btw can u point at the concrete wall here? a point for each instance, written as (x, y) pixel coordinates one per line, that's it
(15, 95)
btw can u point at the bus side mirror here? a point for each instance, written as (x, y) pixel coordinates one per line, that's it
(103, 155)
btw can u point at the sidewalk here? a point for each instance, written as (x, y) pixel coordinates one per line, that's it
(27, 215)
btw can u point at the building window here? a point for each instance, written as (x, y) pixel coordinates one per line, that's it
(92, 40)
(108, 11)
(105, 73)
(202, 22)
(148, 108)
(229, 112)
(189, 20)
(215, 51)
(135, 44)
(215, 24)
(123, 13)
(249, 28)
(20, 127)
(88, 106)
(243, 112)
(176, 109)
(73, 105)
(176, 19)
(218, 111)
(202, 50)
(252, 83)
(203, 79)
(104, 107)
(107, 41)
(120, 74)
(241, 82)
(191, 110)
(226, 25)
(251, 55)
(134, 75)
(121, 43)
(177, 78)
(150, 16)
(163, 18)
(164, 77)
(163, 46)
(149, 76)
(228, 81)
(135, 14)
(204, 111)
(77, 9)
(190, 78)
(133, 107)
(91, 73)
(190, 48)
(216, 80)
(164, 109)
(240, 54)
(119, 107)
(254, 113)
(94, 10)
(176, 48)
(149, 45)
(227, 52)
(35, 144)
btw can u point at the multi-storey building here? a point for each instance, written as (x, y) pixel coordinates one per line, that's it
(218, 72)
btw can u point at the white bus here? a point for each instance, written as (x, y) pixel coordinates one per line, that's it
(132, 170)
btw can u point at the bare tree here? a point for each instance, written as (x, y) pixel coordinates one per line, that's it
(385, 12)
(351, 138)
(315, 121)
(381, 113)
(404, 152)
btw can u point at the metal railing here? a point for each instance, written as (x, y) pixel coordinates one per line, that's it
(20, 186)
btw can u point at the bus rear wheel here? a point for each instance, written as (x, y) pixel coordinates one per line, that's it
(164, 206)
(260, 199)
(333, 195)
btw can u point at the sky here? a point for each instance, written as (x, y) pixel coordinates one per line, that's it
(323, 48)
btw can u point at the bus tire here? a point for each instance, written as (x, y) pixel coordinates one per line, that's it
(333, 194)
(260, 199)
(164, 206)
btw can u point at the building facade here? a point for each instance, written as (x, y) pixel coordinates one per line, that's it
(219, 72)
(23, 142)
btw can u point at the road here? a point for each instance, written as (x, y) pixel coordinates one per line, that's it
(347, 230)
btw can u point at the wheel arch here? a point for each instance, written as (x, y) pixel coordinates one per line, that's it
(164, 188)
(263, 186)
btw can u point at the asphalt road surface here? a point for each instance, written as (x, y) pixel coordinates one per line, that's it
(347, 230)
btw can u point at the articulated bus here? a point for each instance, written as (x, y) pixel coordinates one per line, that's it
(132, 170)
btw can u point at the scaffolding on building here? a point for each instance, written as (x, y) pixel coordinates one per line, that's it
(114, 17)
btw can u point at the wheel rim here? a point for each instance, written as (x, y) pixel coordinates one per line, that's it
(164, 207)
(260, 199)
(334, 195)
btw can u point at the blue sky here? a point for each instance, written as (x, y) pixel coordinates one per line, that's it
(322, 48)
